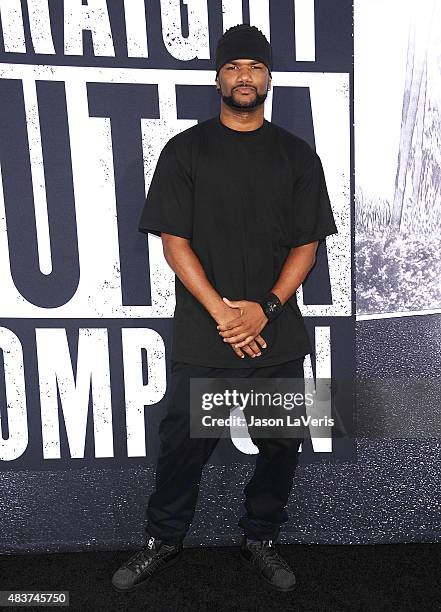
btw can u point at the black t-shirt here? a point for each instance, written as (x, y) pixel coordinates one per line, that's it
(243, 199)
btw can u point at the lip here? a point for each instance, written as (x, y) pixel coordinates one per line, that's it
(244, 89)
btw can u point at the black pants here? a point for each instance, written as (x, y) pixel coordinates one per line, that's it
(181, 459)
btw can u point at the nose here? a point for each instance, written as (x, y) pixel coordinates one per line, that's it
(244, 75)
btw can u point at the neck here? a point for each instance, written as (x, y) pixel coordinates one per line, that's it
(242, 120)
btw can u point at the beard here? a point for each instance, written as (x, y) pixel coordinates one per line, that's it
(245, 105)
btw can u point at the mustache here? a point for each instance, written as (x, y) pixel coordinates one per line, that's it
(247, 86)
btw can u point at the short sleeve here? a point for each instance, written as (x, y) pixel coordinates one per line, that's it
(312, 217)
(169, 203)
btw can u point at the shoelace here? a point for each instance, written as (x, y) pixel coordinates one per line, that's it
(267, 556)
(140, 560)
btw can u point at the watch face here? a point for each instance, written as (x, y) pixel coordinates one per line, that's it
(272, 306)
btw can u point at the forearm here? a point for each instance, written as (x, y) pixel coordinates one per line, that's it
(187, 267)
(295, 269)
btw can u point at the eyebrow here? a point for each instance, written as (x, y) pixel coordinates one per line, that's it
(251, 62)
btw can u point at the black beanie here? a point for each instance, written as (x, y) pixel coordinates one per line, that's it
(243, 41)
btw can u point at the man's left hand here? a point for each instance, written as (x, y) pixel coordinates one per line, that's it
(253, 320)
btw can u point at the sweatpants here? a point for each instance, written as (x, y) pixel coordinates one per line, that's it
(181, 459)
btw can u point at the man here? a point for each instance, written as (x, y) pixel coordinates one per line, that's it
(240, 205)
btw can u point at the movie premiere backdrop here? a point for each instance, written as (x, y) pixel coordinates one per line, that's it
(89, 94)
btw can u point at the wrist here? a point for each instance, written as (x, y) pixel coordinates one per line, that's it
(217, 310)
(271, 306)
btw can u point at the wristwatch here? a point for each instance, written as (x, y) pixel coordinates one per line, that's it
(271, 305)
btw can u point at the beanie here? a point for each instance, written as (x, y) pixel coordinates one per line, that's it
(243, 41)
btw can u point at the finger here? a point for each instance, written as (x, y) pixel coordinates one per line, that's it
(237, 339)
(255, 348)
(230, 324)
(261, 341)
(248, 350)
(247, 340)
(234, 303)
(238, 352)
(234, 331)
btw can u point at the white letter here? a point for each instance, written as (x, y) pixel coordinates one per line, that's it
(16, 444)
(12, 26)
(93, 17)
(138, 395)
(136, 29)
(260, 16)
(240, 436)
(196, 45)
(55, 371)
(232, 14)
(304, 30)
(323, 375)
(40, 26)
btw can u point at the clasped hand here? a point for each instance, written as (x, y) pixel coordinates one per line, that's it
(243, 331)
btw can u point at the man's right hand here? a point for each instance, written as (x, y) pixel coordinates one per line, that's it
(253, 349)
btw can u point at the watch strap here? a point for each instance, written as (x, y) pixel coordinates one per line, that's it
(271, 305)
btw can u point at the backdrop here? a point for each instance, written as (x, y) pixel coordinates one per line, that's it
(89, 94)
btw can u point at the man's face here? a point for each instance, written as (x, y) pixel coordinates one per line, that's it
(243, 83)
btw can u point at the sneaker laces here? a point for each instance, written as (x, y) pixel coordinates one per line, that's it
(267, 556)
(142, 558)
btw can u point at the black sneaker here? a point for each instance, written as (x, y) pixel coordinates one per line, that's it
(152, 559)
(264, 559)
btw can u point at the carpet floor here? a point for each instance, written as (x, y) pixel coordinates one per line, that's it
(365, 578)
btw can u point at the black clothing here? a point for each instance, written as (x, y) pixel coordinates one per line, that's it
(181, 459)
(243, 41)
(243, 199)
(154, 558)
(262, 558)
